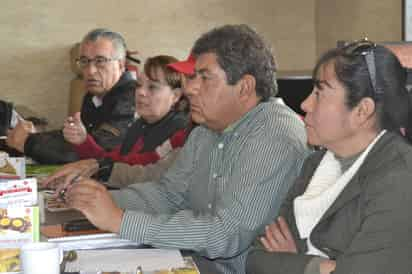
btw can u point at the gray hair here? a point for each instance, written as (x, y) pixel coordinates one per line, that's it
(239, 51)
(117, 40)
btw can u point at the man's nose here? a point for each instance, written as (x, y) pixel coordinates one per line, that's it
(192, 86)
(90, 69)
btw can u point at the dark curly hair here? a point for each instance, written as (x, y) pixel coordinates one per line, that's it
(240, 50)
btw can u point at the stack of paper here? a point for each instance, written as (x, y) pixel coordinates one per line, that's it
(126, 260)
(93, 241)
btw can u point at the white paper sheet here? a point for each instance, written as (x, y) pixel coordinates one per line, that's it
(126, 260)
(94, 241)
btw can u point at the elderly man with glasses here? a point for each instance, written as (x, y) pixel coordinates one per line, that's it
(107, 109)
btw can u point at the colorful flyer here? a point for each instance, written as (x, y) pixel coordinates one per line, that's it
(18, 225)
(18, 193)
(10, 261)
(19, 220)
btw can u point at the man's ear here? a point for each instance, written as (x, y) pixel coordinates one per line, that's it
(122, 64)
(365, 109)
(247, 86)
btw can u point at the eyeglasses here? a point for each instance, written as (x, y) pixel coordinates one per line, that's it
(99, 61)
(366, 49)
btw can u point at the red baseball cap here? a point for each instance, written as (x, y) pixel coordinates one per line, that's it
(187, 66)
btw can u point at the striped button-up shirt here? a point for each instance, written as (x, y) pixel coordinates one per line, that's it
(222, 189)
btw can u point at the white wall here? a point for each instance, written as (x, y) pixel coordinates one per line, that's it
(37, 35)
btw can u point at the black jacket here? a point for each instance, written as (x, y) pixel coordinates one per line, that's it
(107, 123)
(6, 109)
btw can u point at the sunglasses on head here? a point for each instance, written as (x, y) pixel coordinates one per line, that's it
(366, 49)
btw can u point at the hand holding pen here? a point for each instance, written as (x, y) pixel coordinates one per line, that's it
(73, 178)
(74, 131)
(17, 136)
(70, 173)
(64, 175)
(62, 193)
(96, 203)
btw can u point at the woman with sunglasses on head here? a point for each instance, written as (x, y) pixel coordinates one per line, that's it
(349, 210)
(151, 143)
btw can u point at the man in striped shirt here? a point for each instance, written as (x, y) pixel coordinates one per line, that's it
(232, 174)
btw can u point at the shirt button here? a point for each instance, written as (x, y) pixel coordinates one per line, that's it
(209, 206)
(220, 145)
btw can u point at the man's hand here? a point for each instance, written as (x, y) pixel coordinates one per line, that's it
(74, 131)
(63, 176)
(327, 266)
(278, 237)
(16, 137)
(96, 203)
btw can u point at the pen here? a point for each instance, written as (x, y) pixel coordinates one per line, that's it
(62, 192)
(75, 179)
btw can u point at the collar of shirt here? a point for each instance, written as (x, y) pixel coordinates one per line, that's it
(97, 101)
(249, 115)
